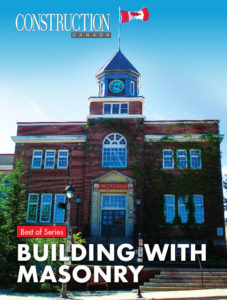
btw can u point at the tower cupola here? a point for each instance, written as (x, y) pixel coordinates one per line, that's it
(118, 78)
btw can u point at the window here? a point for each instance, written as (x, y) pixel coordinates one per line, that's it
(199, 209)
(195, 159)
(114, 151)
(168, 160)
(63, 159)
(182, 159)
(49, 159)
(107, 109)
(37, 159)
(33, 201)
(114, 201)
(132, 88)
(169, 208)
(45, 210)
(182, 209)
(115, 108)
(101, 89)
(59, 213)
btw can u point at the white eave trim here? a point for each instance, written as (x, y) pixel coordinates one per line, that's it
(182, 122)
(119, 116)
(49, 123)
(50, 139)
(116, 99)
(180, 137)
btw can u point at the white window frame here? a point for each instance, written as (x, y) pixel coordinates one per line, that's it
(41, 208)
(163, 161)
(178, 156)
(165, 208)
(101, 89)
(132, 88)
(28, 208)
(33, 158)
(183, 205)
(45, 167)
(200, 167)
(196, 195)
(111, 108)
(65, 150)
(56, 207)
(114, 146)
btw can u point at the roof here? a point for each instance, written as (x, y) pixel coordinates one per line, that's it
(118, 63)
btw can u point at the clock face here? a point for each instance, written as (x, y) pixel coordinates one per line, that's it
(116, 86)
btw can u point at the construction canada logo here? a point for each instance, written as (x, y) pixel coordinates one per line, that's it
(80, 25)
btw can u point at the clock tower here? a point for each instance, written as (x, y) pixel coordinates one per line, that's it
(118, 90)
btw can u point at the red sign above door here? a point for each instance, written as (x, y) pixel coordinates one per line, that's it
(113, 186)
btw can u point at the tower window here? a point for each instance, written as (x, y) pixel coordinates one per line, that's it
(101, 89)
(132, 88)
(115, 108)
(114, 151)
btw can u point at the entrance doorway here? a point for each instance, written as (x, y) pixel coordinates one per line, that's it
(113, 215)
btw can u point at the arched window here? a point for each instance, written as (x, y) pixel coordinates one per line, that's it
(114, 153)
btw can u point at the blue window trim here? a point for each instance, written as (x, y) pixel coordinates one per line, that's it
(41, 207)
(45, 162)
(163, 159)
(32, 203)
(56, 208)
(59, 155)
(200, 161)
(37, 156)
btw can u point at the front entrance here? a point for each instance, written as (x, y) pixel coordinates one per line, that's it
(113, 223)
(113, 215)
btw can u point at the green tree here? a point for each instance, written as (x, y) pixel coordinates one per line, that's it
(12, 214)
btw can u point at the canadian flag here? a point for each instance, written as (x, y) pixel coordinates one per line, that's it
(127, 16)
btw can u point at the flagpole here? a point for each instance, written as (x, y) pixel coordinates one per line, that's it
(119, 29)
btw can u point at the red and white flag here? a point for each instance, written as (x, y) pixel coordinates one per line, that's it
(127, 16)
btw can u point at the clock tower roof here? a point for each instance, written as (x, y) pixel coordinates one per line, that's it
(117, 64)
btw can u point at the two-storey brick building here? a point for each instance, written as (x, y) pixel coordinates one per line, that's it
(159, 177)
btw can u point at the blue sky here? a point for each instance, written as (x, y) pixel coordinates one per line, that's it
(181, 53)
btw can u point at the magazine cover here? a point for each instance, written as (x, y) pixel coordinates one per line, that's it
(112, 156)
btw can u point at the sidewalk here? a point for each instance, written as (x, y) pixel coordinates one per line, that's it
(121, 295)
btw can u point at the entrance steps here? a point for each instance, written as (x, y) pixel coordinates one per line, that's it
(186, 279)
